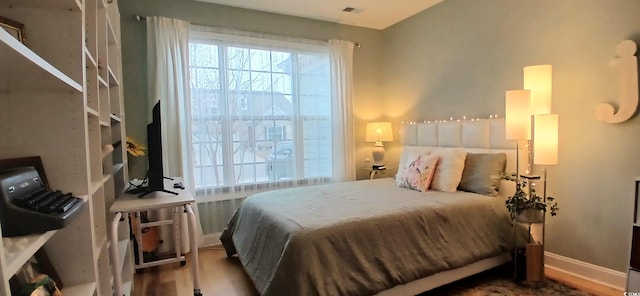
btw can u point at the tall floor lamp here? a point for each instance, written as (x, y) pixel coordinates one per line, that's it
(544, 150)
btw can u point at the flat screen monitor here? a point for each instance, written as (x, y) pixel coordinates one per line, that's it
(155, 174)
(154, 143)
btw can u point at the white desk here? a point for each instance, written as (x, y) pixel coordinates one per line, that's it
(131, 203)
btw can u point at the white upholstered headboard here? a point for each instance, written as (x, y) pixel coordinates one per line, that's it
(475, 136)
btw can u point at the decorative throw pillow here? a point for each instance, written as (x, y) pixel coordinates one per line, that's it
(418, 174)
(482, 173)
(449, 170)
(410, 153)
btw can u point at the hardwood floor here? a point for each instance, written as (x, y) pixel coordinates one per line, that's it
(220, 275)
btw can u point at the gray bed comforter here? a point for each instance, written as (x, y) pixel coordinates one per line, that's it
(359, 238)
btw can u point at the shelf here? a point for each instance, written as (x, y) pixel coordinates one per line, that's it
(106, 177)
(113, 81)
(79, 290)
(103, 84)
(106, 150)
(117, 167)
(17, 250)
(95, 186)
(115, 118)
(74, 5)
(93, 112)
(91, 61)
(111, 33)
(23, 62)
(71, 60)
(102, 242)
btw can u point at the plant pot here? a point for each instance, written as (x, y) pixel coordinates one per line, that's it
(530, 216)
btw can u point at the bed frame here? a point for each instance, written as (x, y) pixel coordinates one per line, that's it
(479, 136)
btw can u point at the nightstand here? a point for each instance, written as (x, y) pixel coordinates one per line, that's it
(373, 171)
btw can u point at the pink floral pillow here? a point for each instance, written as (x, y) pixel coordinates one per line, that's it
(419, 173)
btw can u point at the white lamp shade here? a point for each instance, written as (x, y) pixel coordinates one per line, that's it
(379, 131)
(517, 115)
(545, 144)
(538, 80)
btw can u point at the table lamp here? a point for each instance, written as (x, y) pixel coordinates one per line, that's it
(378, 132)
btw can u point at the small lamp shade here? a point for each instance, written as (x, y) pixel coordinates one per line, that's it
(538, 80)
(517, 115)
(379, 131)
(545, 146)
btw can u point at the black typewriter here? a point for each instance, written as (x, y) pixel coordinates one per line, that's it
(28, 206)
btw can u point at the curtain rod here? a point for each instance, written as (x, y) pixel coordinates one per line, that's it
(140, 18)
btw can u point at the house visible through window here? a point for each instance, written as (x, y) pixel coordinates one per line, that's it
(260, 110)
(275, 133)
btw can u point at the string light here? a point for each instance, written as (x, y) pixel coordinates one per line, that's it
(460, 119)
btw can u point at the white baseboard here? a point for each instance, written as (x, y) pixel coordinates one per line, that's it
(594, 273)
(212, 239)
(591, 272)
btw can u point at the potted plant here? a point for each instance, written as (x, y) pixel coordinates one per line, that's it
(528, 209)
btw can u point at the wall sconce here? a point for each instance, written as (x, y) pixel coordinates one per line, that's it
(378, 132)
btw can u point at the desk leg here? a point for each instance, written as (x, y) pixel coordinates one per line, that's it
(115, 257)
(195, 270)
(177, 215)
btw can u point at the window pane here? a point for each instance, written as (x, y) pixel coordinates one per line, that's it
(281, 161)
(203, 55)
(239, 58)
(239, 80)
(260, 82)
(281, 83)
(281, 62)
(205, 78)
(260, 60)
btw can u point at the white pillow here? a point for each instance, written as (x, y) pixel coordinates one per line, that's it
(409, 153)
(449, 170)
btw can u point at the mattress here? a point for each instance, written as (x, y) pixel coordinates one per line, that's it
(362, 237)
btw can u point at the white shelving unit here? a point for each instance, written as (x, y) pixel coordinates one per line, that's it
(61, 99)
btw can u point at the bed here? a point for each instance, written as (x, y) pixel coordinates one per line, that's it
(374, 237)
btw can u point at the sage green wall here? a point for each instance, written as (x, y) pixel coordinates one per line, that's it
(459, 57)
(368, 103)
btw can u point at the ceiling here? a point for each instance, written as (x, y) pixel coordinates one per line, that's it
(375, 14)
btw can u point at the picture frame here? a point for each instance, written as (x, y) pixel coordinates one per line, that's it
(16, 29)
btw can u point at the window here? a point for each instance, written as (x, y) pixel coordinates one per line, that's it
(260, 110)
(275, 133)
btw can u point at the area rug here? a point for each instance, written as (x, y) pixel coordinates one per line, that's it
(498, 281)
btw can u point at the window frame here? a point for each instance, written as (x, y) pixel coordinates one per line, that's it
(226, 119)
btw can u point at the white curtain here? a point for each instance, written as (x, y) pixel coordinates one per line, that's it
(344, 160)
(168, 72)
